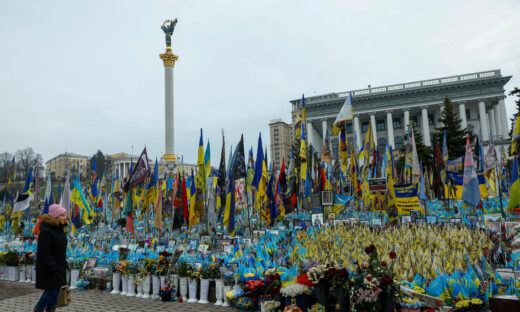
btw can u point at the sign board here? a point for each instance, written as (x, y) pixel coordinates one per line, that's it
(170, 157)
(377, 184)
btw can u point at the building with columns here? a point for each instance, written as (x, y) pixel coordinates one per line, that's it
(121, 163)
(477, 97)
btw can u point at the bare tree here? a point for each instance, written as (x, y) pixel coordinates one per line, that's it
(5, 166)
(27, 159)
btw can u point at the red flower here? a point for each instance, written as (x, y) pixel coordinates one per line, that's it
(372, 248)
(367, 250)
(383, 263)
(369, 278)
(392, 255)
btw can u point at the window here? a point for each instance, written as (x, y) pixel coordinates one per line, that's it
(397, 123)
(398, 141)
(381, 146)
(364, 126)
(414, 121)
(468, 115)
(348, 127)
(430, 119)
(380, 124)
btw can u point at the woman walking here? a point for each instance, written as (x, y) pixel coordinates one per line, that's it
(51, 257)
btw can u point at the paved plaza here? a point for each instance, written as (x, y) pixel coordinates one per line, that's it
(21, 297)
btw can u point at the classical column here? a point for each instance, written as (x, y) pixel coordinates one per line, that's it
(491, 120)
(503, 116)
(390, 127)
(169, 62)
(462, 115)
(310, 134)
(324, 128)
(498, 121)
(357, 131)
(426, 127)
(374, 128)
(406, 120)
(484, 129)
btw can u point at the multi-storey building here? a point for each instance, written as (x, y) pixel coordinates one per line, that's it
(58, 166)
(281, 135)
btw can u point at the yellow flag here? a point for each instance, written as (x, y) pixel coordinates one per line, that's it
(516, 135)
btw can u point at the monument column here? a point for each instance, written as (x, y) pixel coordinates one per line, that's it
(357, 132)
(169, 62)
(426, 127)
(462, 115)
(390, 127)
(484, 129)
(310, 133)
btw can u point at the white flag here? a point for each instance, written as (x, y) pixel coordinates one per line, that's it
(22, 202)
(65, 196)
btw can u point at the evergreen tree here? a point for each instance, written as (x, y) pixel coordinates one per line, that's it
(516, 92)
(455, 136)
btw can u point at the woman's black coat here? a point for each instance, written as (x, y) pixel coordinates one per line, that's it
(51, 260)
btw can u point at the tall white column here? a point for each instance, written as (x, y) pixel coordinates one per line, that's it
(503, 116)
(426, 127)
(310, 134)
(462, 115)
(484, 129)
(357, 132)
(169, 62)
(374, 128)
(491, 120)
(390, 127)
(324, 128)
(498, 121)
(406, 120)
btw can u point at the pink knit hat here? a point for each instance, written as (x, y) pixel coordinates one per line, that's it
(55, 210)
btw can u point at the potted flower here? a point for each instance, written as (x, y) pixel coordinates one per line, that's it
(214, 274)
(116, 278)
(193, 281)
(339, 280)
(270, 306)
(132, 275)
(163, 266)
(122, 267)
(184, 271)
(11, 260)
(150, 266)
(470, 305)
(316, 274)
(273, 281)
(296, 294)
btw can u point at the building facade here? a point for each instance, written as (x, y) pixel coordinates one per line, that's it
(60, 165)
(477, 97)
(281, 135)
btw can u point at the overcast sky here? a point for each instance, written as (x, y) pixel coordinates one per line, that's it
(79, 76)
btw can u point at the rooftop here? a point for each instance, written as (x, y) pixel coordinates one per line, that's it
(66, 154)
(406, 86)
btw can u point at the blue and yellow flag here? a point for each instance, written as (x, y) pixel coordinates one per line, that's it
(303, 155)
(514, 194)
(193, 219)
(77, 197)
(229, 212)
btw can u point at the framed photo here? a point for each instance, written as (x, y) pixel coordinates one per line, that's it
(494, 227)
(90, 263)
(473, 219)
(227, 249)
(455, 220)
(517, 275)
(365, 222)
(332, 215)
(414, 214)
(203, 248)
(171, 244)
(338, 222)
(510, 228)
(376, 221)
(317, 219)
(506, 274)
(431, 219)
(192, 244)
(406, 219)
(420, 220)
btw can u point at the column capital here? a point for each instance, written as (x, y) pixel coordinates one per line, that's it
(168, 57)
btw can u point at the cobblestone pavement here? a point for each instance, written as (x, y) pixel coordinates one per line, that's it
(22, 297)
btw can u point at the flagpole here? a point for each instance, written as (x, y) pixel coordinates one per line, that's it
(497, 178)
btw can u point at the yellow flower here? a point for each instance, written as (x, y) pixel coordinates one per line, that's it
(476, 301)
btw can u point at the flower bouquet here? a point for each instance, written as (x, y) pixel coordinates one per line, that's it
(470, 305)
(296, 294)
(270, 306)
(255, 287)
(28, 258)
(292, 308)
